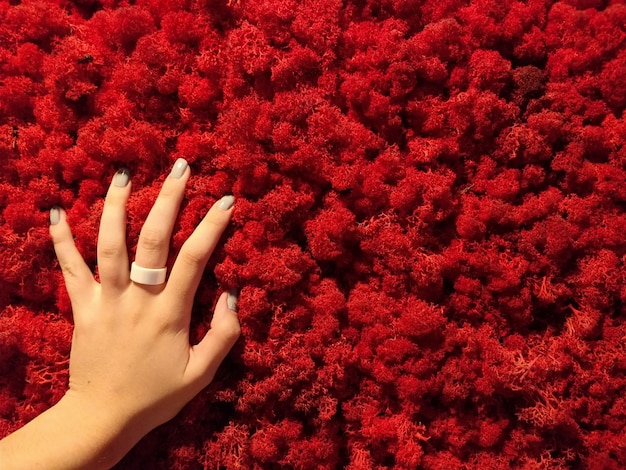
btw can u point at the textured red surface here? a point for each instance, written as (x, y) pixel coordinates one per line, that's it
(429, 230)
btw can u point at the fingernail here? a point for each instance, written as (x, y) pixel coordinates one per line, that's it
(55, 215)
(226, 202)
(179, 168)
(232, 300)
(121, 178)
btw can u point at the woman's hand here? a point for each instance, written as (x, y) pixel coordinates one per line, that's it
(131, 365)
(131, 341)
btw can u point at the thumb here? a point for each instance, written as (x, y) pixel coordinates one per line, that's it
(208, 354)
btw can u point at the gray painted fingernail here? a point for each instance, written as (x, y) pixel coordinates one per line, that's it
(121, 178)
(232, 300)
(226, 202)
(55, 215)
(179, 168)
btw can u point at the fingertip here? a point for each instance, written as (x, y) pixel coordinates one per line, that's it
(55, 215)
(121, 179)
(225, 316)
(227, 303)
(226, 203)
(232, 300)
(58, 227)
(180, 169)
(222, 301)
(119, 188)
(220, 213)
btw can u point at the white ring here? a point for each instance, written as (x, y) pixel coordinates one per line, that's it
(147, 276)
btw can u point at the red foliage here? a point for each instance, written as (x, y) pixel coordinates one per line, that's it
(428, 233)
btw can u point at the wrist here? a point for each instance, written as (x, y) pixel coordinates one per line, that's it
(75, 433)
(106, 432)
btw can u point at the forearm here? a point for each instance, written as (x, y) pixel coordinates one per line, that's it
(70, 435)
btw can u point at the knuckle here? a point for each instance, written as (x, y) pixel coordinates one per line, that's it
(69, 269)
(151, 240)
(169, 189)
(212, 220)
(193, 257)
(109, 251)
(114, 198)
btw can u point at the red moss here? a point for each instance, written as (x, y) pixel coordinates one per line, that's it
(428, 233)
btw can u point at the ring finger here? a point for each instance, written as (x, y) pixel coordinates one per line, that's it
(154, 239)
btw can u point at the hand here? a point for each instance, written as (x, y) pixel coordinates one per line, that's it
(130, 349)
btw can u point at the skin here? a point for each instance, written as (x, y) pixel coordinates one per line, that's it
(132, 367)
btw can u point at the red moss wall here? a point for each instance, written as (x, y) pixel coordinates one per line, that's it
(429, 230)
